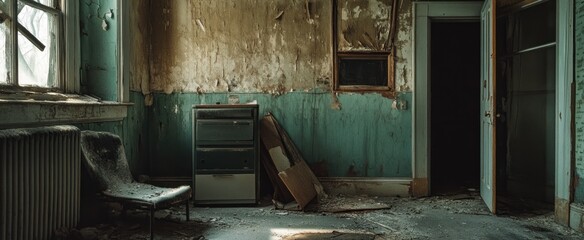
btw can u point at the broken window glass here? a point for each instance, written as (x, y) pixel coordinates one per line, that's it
(4, 41)
(36, 46)
(36, 67)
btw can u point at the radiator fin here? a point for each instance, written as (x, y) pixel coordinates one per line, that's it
(39, 181)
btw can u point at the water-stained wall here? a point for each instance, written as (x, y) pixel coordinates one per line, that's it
(363, 25)
(278, 53)
(139, 34)
(254, 45)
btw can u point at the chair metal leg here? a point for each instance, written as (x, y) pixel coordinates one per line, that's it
(187, 211)
(151, 224)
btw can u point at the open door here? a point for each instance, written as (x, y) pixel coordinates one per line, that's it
(488, 121)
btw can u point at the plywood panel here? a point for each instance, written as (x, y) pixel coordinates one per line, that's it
(299, 183)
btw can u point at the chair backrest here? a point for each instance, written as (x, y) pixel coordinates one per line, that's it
(105, 160)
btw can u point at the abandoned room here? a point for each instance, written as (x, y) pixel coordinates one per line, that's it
(291, 119)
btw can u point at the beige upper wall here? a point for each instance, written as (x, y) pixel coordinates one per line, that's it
(270, 46)
(140, 45)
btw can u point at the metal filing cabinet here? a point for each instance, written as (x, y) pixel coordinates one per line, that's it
(226, 154)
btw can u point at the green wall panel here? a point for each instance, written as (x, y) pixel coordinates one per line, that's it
(365, 138)
(98, 48)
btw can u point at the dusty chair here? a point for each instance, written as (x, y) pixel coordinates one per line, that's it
(105, 161)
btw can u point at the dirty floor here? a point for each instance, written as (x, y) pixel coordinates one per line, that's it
(398, 218)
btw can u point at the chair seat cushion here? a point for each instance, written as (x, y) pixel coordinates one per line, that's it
(148, 195)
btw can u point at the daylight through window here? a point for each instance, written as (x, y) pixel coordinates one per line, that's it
(37, 46)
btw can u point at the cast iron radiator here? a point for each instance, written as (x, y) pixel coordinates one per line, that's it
(39, 181)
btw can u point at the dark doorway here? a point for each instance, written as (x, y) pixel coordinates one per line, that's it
(455, 106)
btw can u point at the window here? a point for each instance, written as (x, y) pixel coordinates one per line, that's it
(363, 42)
(35, 58)
(42, 63)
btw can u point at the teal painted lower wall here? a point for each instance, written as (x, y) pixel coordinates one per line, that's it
(365, 138)
(99, 49)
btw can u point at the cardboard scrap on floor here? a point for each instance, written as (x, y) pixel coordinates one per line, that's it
(286, 168)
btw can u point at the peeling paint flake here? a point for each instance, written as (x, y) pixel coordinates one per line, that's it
(109, 14)
(200, 24)
(104, 25)
(279, 15)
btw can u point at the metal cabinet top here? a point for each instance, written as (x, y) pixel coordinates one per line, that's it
(225, 106)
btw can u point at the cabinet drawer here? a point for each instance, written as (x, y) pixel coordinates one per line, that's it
(225, 187)
(225, 113)
(224, 130)
(218, 159)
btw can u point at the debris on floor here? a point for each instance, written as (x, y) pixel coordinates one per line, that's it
(342, 203)
(408, 218)
(404, 218)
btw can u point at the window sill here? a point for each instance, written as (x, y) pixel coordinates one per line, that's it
(17, 113)
(384, 91)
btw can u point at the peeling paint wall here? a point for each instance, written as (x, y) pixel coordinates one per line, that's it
(253, 45)
(239, 46)
(212, 51)
(280, 54)
(98, 22)
(579, 101)
(140, 45)
(364, 25)
(404, 81)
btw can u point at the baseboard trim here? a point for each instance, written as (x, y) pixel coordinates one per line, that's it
(383, 187)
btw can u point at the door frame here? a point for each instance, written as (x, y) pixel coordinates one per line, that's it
(424, 12)
(564, 117)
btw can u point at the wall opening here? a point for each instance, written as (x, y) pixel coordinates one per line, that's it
(526, 92)
(454, 106)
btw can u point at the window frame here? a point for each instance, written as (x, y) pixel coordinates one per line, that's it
(69, 55)
(340, 55)
(389, 89)
(36, 106)
(61, 40)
